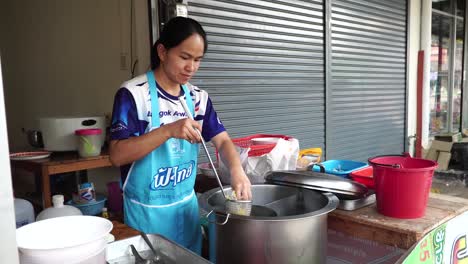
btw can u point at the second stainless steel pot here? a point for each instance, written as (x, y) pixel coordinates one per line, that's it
(298, 234)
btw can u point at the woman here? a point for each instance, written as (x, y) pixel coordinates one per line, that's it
(157, 153)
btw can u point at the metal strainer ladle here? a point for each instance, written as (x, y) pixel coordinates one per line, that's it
(232, 205)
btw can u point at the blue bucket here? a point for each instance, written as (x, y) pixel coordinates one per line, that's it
(91, 208)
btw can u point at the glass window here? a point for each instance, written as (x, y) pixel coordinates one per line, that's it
(458, 75)
(446, 77)
(461, 8)
(439, 73)
(443, 5)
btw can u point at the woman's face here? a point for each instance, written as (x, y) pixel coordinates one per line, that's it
(180, 63)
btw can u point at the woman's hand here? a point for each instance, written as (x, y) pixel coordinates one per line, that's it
(185, 129)
(241, 184)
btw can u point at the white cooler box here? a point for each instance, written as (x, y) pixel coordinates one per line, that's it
(58, 133)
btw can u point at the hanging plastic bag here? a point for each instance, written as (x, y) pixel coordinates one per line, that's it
(282, 157)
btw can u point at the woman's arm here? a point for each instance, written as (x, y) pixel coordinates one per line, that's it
(128, 150)
(239, 180)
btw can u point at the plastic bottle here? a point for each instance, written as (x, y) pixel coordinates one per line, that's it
(105, 214)
(24, 212)
(58, 210)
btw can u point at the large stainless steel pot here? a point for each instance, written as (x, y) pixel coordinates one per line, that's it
(298, 234)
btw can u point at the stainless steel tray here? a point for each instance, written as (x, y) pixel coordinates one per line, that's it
(354, 204)
(119, 252)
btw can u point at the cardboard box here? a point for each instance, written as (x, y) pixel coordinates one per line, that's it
(465, 132)
(443, 159)
(449, 137)
(440, 151)
(432, 154)
(441, 145)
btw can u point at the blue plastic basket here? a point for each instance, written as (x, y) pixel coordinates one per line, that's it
(340, 167)
(91, 208)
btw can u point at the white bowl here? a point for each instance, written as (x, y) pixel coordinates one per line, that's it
(68, 239)
(265, 140)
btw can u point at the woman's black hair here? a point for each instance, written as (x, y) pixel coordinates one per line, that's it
(174, 32)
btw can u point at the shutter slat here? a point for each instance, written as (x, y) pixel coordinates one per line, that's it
(367, 88)
(264, 69)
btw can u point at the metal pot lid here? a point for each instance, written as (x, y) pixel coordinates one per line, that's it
(318, 181)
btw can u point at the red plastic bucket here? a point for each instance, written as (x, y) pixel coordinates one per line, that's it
(402, 184)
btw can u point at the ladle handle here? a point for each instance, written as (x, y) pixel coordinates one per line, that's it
(138, 258)
(187, 111)
(157, 258)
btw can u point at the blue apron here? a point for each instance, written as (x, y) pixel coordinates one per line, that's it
(158, 192)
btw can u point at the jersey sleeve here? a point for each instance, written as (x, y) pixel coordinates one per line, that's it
(125, 121)
(212, 125)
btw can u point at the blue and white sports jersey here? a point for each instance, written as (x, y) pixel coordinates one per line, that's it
(131, 115)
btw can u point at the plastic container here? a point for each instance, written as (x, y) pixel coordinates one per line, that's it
(308, 157)
(24, 212)
(58, 210)
(86, 193)
(260, 149)
(115, 197)
(265, 140)
(104, 213)
(91, 208)
(340, 168)
(89, 142)
(69, 239)
(364, 176)
(402, 185)
(315, 152)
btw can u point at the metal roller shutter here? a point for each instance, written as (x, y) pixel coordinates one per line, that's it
(366, 91)
(264, 68)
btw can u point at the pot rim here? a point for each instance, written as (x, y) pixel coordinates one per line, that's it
(331, 205)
